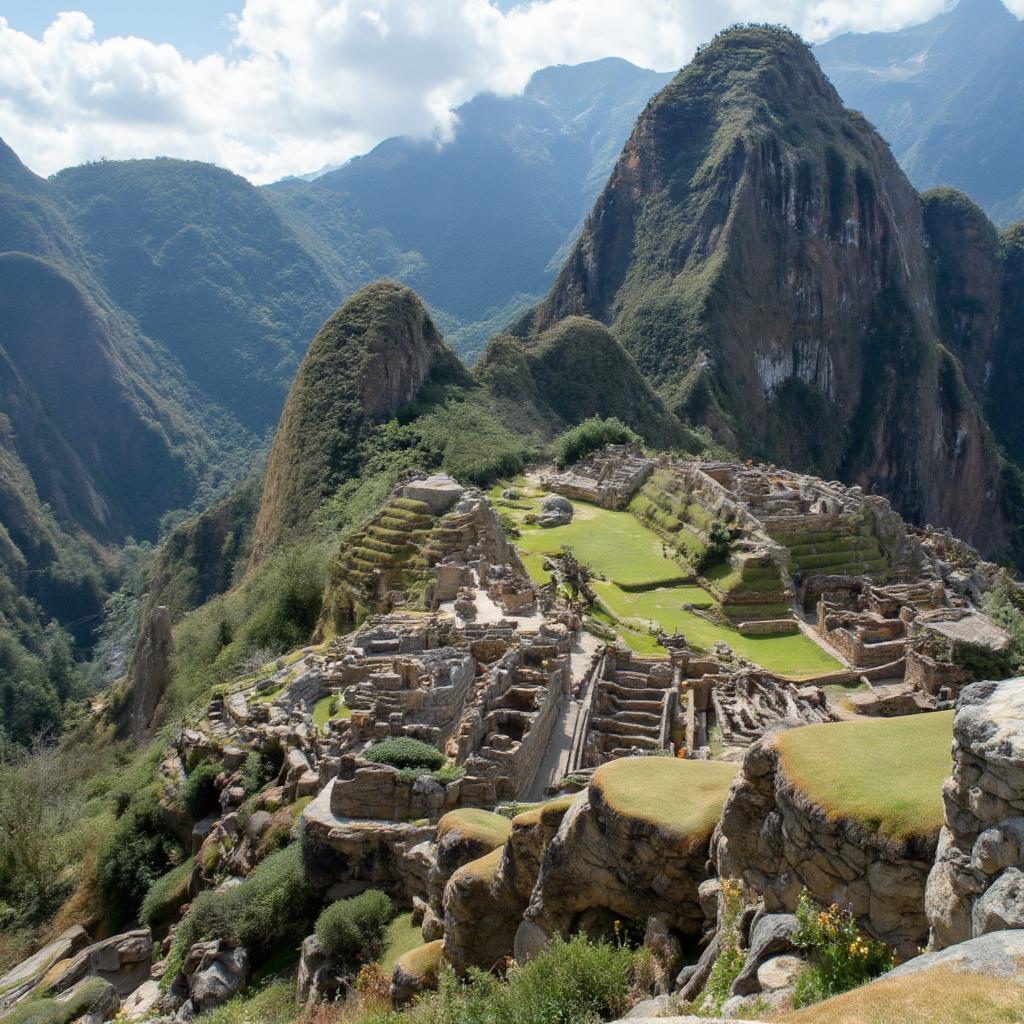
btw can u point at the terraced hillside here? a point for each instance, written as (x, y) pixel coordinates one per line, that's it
(389, 553)
(645, 585)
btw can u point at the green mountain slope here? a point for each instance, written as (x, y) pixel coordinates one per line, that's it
(202, 261)
(948, 95)
(477, 226)
(760, 254)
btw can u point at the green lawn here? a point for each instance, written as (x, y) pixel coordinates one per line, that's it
(884, 773)
(327, 709)
(795, 656)
(534, 565)
(613, 544)
(685, 798)
(402, 936)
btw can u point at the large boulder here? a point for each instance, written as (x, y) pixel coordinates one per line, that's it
(635, 845)
(320, 977)
(976, 885)
(484, 900)
(213, 972)
(415, 972)
(22, 979)
(816, 808)
(555, 511)
(464, 835)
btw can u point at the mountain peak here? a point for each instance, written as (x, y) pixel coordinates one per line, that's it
(367, 361)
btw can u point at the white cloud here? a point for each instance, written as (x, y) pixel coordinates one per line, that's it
(309, 82)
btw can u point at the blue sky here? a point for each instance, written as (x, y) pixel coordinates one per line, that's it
(269, 88)
(195, 27)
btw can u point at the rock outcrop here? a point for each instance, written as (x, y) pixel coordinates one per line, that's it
(150, 672)
(634, 846)
(977, 883)
(778, 840)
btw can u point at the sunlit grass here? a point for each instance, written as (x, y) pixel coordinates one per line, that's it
(884, 773)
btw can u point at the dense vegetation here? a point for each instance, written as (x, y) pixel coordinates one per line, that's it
(352, 931)
(590, 435)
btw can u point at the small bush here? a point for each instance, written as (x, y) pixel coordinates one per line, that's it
(730, 957)
(258, 770)
(717, 549)
(568, 981)
(137, 852)
(405, 752)
(589, 436)
(198, 792)
(271, 907)
(842, 956)
(166, 896)
(353, 930)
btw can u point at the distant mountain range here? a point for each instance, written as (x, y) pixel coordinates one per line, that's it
(948, 96)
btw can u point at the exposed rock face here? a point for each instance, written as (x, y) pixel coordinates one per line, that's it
(761, 255)
(485, 900)
(778, 842)
(977, 885)
(150, 671)
(415, 972)
(612, 860)
(368, 360)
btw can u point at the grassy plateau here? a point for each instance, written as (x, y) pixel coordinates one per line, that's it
(884, 773)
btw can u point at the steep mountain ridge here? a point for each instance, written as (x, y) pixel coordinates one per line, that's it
(368, 360)
(761, 255)
(204, 264)
(948, 95)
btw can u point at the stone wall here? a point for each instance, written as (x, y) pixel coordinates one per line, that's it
(343, 857)
(977, 884)
(778, 843)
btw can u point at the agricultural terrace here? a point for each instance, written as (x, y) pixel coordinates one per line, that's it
(641, 587)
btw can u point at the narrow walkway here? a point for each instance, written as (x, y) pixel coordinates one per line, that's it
(560, 744)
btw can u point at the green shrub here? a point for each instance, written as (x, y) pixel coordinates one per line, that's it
(258, 770)
(405, 752)
(270, 907)
(198, 792)
(353, 930)
(568, 982)
(717, 549)
(588, 436)
(449, 773)
(842, 956)
(274, 1003)
(139, 849)
(730, 957)
(166, 896)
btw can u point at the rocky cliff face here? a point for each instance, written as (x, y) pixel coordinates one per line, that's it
(761, 255)
(368, 360)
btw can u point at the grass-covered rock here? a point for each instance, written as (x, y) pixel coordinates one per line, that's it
(849, 811)
(636, 844)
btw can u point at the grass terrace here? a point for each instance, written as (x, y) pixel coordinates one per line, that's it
(683, 798)
(401, 937)
(614, 544)
(886, 774)
(328, 709)
(795, 656)
(485, 827)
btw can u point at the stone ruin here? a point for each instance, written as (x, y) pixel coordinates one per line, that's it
(608, 477)
(635, 705)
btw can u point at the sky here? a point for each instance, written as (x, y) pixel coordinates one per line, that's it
(270, 88)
